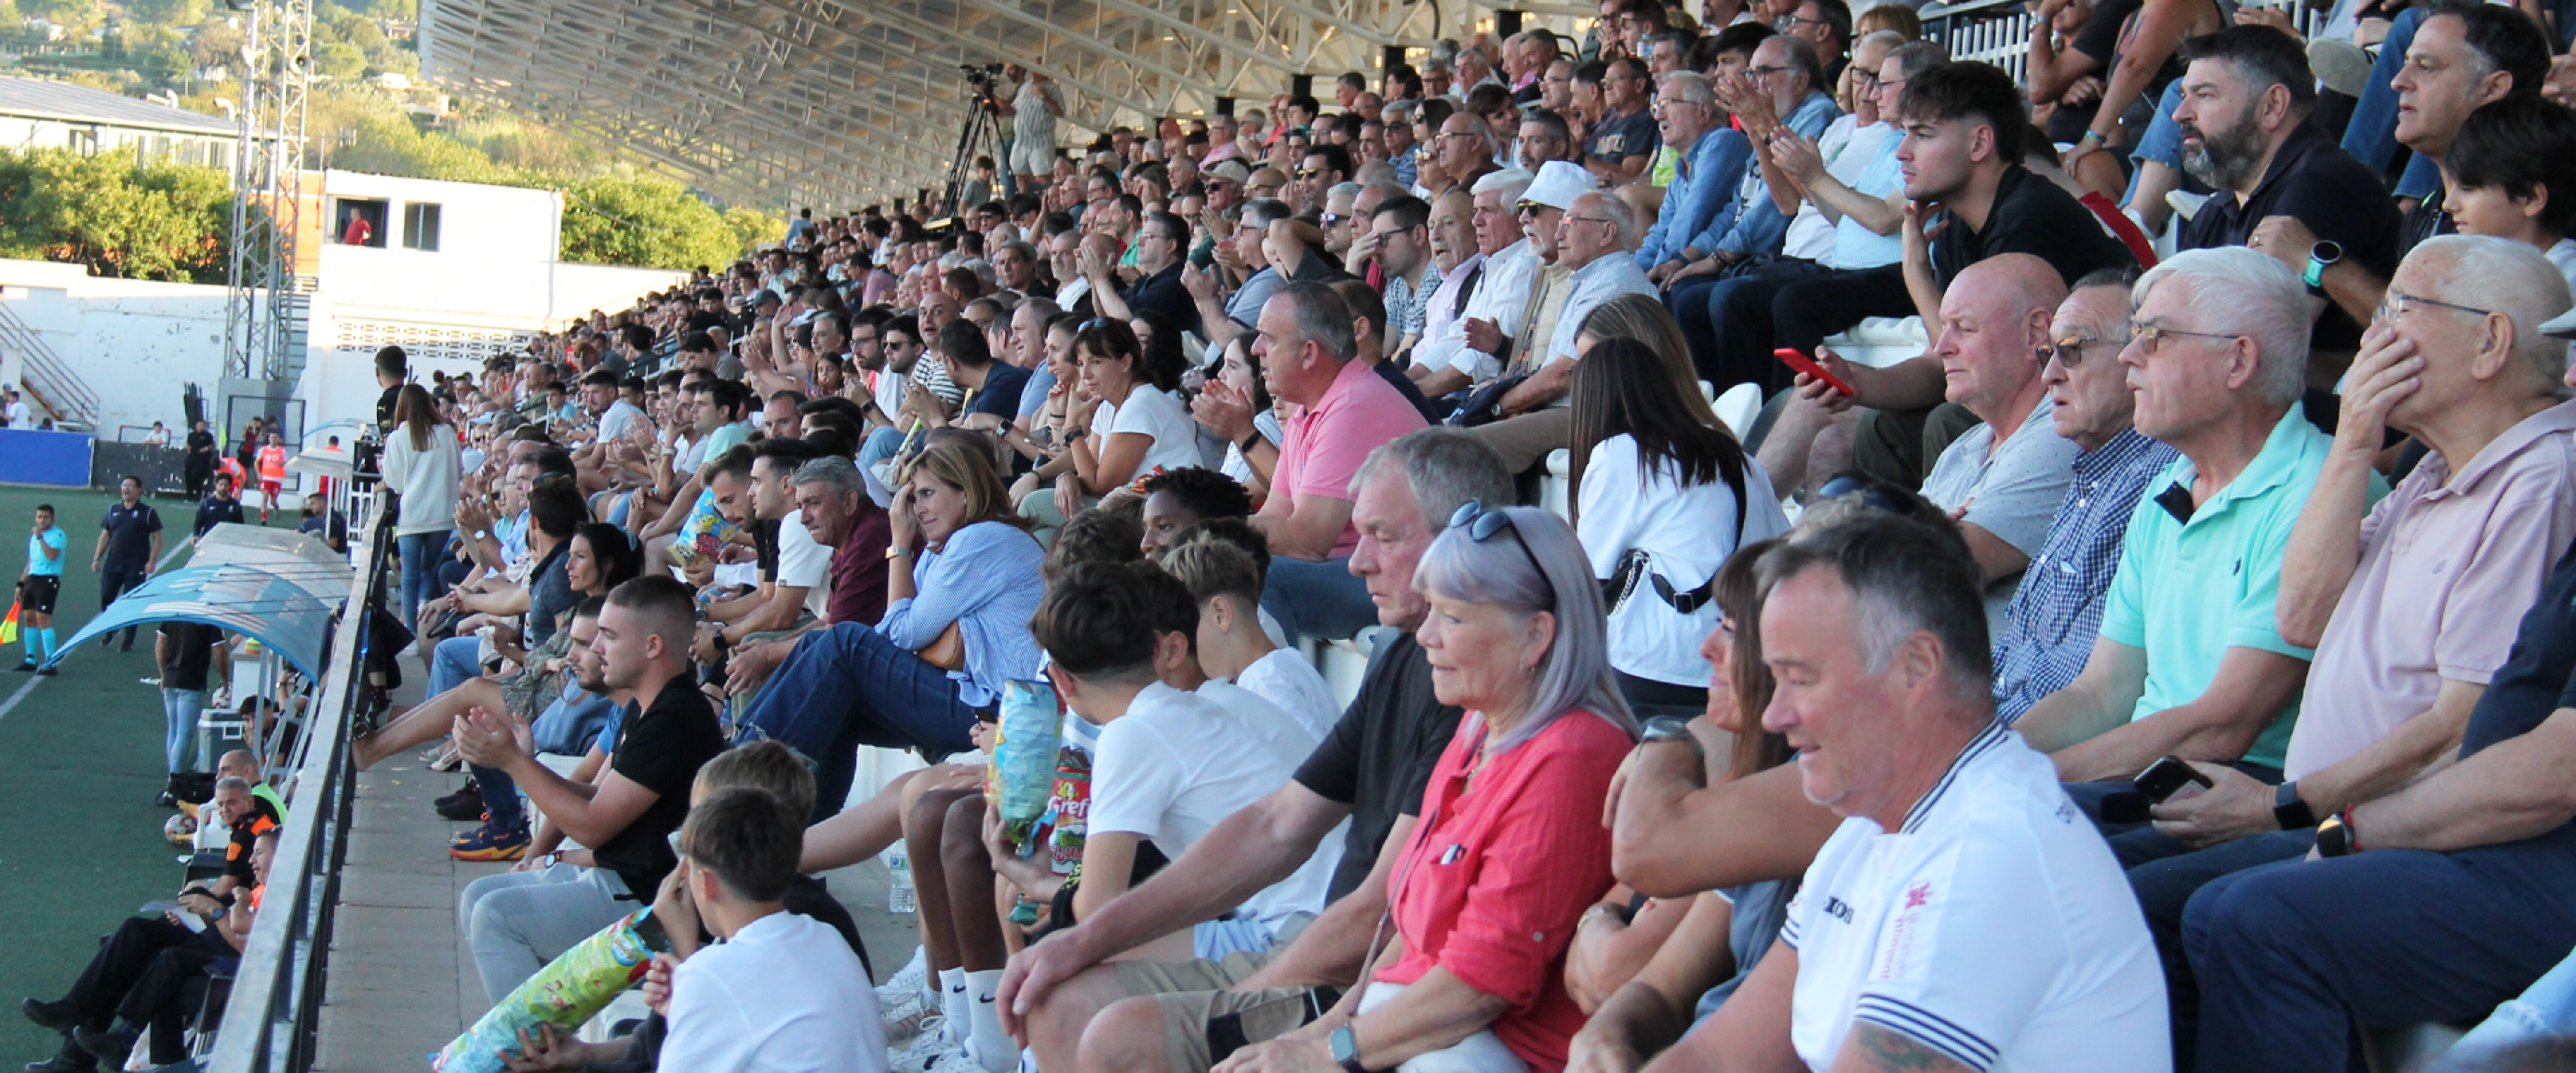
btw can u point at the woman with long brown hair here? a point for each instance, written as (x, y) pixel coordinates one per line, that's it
(1663, 496)
(422, 462)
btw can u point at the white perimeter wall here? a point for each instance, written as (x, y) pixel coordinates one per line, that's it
(491, 284)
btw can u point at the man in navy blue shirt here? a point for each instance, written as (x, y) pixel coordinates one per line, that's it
(129, 543)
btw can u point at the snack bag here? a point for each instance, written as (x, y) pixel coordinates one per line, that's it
(1023, 764)
(565, 993)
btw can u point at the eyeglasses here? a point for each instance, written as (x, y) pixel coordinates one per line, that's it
(1481, 524)
(1790, 22)
(1334, 219)
(2153, 337)
(2069, 352)
(1589, 219)
(1765, 72)
(2397, 305)
(1309, 173)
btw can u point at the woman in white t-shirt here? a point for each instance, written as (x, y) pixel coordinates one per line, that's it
(1662, 497)
(1138, 425)
(1242, 387)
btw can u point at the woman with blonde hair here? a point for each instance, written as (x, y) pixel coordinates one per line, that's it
(961, 582)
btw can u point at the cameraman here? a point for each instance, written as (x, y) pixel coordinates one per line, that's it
(1032, 110)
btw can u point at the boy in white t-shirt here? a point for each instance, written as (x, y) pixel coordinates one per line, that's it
(779, 992)
(1218, 563)
(1171, 762)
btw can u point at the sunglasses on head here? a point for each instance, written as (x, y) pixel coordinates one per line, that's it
(1482, 523)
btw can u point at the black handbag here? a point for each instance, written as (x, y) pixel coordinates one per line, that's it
(1484, 406)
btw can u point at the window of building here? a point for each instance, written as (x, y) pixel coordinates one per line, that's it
(420, 226)
(359, 221)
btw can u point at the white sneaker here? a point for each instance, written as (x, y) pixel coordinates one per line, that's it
(927, 1050)
(2342, 66)
(908, 1013)
(963, 1060)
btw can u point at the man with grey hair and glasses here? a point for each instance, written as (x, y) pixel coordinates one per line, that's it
(2056, 612)
(1079, 1010)
(1592, 244)
(1995, 933)
(2192, 659)
(2410, 605)
(830, 501)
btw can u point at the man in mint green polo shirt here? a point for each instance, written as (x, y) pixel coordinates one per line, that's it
(2190, 660)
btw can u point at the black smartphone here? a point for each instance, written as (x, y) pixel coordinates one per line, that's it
(2167, 777)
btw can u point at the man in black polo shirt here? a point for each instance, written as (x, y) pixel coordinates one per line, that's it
(392, 368)
(2246, 98)
(2465, 54)
(1963, 127)
(129, 544)
(1162, 242)
(1063, 995)
(518, 921)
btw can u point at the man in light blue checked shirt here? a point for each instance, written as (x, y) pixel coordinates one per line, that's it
(2058, 609)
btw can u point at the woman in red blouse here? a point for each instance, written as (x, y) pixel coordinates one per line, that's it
(1469, 975)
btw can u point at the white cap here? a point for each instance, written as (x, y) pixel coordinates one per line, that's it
(1558, 183)
(2562, 326)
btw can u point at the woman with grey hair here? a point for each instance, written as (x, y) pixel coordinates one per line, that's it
(1467, 968)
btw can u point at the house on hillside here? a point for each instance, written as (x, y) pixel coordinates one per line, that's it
(37, 113)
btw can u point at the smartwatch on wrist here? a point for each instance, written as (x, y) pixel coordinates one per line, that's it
(2321, 256)
(2290, 812)
(1346, 1050)
(2334, 837)
(1666, 728)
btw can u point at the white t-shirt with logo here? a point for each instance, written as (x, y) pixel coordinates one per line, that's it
(1994, 927)
(1178, 763)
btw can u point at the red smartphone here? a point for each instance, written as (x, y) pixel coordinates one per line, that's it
(1807, 365)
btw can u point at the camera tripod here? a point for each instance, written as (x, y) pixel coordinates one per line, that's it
(982, 133)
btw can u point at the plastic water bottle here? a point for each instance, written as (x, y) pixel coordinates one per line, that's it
(899, 894)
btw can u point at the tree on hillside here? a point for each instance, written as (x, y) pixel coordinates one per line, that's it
(160, 221)
(646, 221)
(752, 227)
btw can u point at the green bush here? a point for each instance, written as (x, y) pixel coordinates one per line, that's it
(120, 218)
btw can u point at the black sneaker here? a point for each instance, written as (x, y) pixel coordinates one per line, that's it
(46, 672)
(57, 1016)
(24, 668)
(71, 1059)
(110, 1046)
(465, 804)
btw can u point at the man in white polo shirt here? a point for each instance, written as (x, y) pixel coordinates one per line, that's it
(1965, 915)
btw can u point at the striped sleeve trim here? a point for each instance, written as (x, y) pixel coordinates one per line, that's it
(1931, 1029)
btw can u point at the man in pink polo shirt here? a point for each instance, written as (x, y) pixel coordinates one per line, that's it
(1304, 342)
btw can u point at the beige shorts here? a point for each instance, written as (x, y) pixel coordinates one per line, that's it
(1194, 993)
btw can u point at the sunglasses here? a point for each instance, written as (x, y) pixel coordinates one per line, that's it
(1481, 524)
(1873, 494)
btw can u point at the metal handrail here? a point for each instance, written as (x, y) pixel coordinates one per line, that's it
(271, 1022)
(47, 378)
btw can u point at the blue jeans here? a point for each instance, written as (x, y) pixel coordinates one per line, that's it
(451, 664)
(180, 707)
(2290, 956)
(1317, 599)
(847, 686)
(1688, 301)
(881, 445)
(2546, 1008)
(2162, 142)
(419, 557)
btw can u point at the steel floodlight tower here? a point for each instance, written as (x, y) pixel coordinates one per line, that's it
(263, 310)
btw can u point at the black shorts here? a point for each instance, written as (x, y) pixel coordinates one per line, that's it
(37, 592)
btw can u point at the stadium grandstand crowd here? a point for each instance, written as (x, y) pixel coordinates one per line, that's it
(2170, 666)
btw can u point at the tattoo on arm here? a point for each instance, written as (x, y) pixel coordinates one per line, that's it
(1893, 1051)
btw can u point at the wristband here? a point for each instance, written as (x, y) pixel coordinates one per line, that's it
(1250, 440)
(2290, 812)
(2322, 256)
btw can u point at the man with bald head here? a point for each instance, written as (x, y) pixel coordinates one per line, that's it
(2007, 474)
